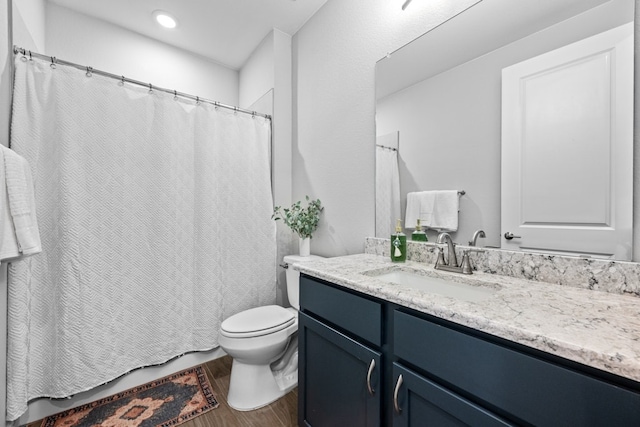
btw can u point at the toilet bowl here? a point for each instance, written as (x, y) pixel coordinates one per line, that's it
(263, 344)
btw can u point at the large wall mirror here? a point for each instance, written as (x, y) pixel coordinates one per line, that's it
(440, 102)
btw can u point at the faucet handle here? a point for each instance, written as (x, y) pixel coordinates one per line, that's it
(440, 259)
(466, 264)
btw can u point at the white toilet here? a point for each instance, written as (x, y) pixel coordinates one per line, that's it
(263, 343)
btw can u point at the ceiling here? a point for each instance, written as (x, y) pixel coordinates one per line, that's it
(225, 31)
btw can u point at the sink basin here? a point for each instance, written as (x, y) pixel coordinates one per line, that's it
(436, 285)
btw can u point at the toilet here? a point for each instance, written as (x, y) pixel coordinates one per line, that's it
(263, 343)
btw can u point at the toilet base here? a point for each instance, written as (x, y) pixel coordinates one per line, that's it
(254, 386)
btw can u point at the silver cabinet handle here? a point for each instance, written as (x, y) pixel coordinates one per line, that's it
(371, 366)
(395, 395)
(508, 235)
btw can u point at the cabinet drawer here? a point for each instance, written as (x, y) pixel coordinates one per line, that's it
(358, 315)
(529, 389)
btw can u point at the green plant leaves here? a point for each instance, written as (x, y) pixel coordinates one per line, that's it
(301, 220)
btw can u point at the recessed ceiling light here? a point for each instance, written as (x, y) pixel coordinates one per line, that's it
(165, 19)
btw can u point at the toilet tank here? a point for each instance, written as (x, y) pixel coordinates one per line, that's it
(293, 278)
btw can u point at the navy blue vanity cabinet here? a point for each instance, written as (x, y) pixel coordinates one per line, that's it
(340, 360)
(355, 348)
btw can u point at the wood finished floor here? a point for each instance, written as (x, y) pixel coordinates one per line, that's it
(281, 413)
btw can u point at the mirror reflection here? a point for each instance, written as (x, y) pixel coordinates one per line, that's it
(441, 103)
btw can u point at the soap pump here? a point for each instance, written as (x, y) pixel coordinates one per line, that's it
(419, 235)
(398, 244)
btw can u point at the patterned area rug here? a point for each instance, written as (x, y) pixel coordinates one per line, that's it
(166, 402)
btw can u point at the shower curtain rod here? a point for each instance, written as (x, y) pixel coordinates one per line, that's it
(27, 54)
(387, 148)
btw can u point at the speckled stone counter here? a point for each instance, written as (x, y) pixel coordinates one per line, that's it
(598, 329)
(607, 275)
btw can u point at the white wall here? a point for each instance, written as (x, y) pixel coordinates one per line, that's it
(87, 41)
(268, 70)
(282, 148)
(29, 24)
(334, 58)
(257, 74)
(450, 124)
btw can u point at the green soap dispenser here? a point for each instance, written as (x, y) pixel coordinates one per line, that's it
(419, 235)
(398, 245)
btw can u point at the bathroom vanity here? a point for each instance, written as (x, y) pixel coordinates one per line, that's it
(375, 353)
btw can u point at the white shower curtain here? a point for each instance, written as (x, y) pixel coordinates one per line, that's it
(155, 222)
(387, 191)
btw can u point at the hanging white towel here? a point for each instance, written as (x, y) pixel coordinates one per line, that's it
(436, 209)
(445, 211)
(419, 205)
(19, 234)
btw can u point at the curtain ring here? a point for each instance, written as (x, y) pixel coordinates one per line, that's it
(150, 88)
(175, 95)
(197, 100)
(216, 104)
(253, 115)
(89, 71)
(24, 53)
(121, 82)
(30, 57)
(235, 110)
(53, 62)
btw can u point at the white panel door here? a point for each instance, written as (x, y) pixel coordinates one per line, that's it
(567, 149)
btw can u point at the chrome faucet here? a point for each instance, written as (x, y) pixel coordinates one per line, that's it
(452, 261)
(451, 264)
(474, 239)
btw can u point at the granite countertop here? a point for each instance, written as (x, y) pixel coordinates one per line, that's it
(597, 329)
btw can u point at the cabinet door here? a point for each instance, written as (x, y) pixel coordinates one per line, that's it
(338, 378)
(418, 401)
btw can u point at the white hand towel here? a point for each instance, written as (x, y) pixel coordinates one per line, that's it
(8, 241)
(419, 205)
(20, 235)
(445, 210)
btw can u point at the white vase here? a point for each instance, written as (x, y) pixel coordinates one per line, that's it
(304, 246)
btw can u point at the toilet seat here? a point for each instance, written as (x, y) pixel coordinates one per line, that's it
(257, 321)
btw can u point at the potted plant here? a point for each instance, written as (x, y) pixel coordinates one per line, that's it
(302, 220)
